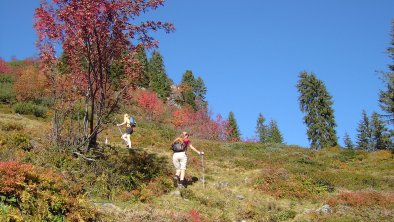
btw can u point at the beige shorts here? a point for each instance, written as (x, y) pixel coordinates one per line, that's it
(179, 160)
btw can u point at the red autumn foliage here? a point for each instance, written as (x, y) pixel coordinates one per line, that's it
(152, 106)
(200, 124)
(194, 215)
(362, 199)
(4, 67)
(12, 176)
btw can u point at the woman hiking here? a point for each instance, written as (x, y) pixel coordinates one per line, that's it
(129, 129)
(179, 158)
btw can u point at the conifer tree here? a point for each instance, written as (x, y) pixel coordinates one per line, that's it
(262, 129)
(232, 128)
(275, 136)
(159, 81)
(379, 133)
(188, 84)
(364, 135)
(200, 91)
(348, 142)
(386, 98)
(316, 102)
(144, 72)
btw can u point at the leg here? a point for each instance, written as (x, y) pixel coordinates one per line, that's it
(128, 140)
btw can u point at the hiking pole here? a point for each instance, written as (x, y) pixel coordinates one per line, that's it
(121, 133)
(202, 163)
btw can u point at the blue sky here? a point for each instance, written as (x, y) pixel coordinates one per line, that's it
(250, 53)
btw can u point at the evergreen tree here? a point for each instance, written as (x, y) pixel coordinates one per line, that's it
(233, 132)
(348, 142)
(275, 136)
(386, 98)
(364, 135)
(143, 62)
(316, 102)
(159, 81)
(188, 83)
(379, 133)
(200, 91)
(262, 129)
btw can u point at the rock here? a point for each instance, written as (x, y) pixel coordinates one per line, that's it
(325, 209)
(222, 185)
(176, 193)
(240, 197)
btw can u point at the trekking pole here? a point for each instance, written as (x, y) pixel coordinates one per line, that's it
(121, 133)
(203, 179)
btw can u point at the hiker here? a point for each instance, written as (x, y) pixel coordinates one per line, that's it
(129, 129)
(179, 158)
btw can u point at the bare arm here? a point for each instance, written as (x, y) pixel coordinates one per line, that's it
(121, 124)
(195, 150)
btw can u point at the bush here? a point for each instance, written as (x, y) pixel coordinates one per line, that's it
(4, 78)
(31, 194)
(30, 108)
(7, 94)
(10, 126)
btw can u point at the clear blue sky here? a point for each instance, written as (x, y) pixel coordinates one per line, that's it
(250, 53)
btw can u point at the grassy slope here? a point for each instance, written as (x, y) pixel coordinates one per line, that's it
(244, 181)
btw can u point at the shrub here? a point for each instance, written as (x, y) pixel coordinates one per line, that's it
(362, 199)
(20, 141)
(7, 94)
(30, 108)
(10, 126)
(39, 195)
(6, 78)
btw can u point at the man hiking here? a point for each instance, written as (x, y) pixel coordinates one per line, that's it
(179, 157)
(129, 129)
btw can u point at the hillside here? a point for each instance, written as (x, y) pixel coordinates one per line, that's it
(243, 181)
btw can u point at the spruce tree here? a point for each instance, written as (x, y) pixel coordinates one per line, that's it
(379, 133)
(386, 98)
(316, 102)
(364, 135)
(233, 132)
(275, 136)
(144, 72)
(262, 129)
(348, 142)
(159, 82)
(200, 90)
(188, 83)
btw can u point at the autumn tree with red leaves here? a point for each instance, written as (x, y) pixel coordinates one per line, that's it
(151, 104)
(94, 34)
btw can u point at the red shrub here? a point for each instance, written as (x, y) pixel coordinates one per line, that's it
(4, 67)
(12, 176)
(153, 107)
(194, 215)
(362, 199)
(30, 85)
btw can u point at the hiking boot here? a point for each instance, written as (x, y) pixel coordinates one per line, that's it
(176, 181)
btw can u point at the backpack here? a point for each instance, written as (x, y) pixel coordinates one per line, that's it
(133, 123)
(178, 147)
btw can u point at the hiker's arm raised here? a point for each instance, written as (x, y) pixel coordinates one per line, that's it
(195, 150)
(120, 124)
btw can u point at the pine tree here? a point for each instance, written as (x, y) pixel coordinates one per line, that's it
(275, 136)
(233, 132)
(143, 62)
(316, 102)
(379, 133)
(159, 81)
(188, 83)
(262, 129)
(200, 91)
(348, 142)
(364, 135)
